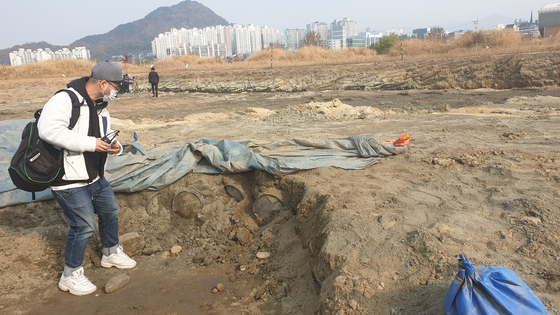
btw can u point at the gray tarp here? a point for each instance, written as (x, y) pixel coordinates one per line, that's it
(138, 170)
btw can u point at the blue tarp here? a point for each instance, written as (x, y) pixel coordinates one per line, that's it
(138, 170)
(479, 290)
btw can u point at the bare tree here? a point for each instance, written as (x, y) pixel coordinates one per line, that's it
(437, 33)
(276, 45)
(312, 39)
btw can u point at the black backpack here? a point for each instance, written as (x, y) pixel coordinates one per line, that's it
(37, 163)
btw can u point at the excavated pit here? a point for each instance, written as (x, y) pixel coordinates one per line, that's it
(231, 221)
(255, 233)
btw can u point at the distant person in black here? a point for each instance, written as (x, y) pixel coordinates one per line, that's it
(125, 84)
(153, 78)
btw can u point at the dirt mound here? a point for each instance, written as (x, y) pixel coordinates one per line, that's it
(338, 109)
(332, 111)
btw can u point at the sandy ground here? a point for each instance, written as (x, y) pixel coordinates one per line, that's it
(481, 178)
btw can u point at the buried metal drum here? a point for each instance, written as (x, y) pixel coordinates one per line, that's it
(267, 206)
(187, 204)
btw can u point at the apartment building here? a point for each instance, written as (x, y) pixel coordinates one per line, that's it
(342, 30)
(320, 27)
(293, 38)
(215, 41)
(226, 41)
(23, 56)
(271, 37)
(334, 44)
(370, 38)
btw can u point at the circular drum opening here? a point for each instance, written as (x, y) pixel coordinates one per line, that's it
(152, 206)
(235, 192)
(186, 204)
(266, 207)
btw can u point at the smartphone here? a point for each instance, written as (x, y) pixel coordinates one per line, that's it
(108, 138)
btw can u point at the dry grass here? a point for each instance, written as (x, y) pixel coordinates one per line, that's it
(194, 62)
(262, 59)
(51, 69)
(62, 68)
(470, 43)
(312, 55)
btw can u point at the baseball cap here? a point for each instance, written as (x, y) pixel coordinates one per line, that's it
(108, 71)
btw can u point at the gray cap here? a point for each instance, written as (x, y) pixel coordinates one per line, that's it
(108, 71)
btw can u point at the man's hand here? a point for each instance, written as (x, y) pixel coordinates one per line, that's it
(115, 148)
(101, 146)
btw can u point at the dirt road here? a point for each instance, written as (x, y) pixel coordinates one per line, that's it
(480, 177)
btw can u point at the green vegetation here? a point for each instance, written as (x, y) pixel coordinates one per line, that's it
(385, 44)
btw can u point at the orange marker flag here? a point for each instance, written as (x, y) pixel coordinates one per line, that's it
(400, 142)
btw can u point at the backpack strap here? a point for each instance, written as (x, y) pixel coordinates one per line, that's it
(76, 104)
(75, 107)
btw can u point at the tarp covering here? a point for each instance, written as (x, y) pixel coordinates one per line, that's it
(139, 170)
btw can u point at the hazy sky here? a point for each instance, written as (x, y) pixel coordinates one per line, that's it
(60, 22)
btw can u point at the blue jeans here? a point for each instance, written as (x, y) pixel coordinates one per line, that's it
(79, 206)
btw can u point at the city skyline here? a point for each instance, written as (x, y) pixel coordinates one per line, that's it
(227, 41)
(35, 21)
(24, 56)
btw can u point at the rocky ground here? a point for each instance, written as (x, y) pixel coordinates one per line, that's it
(480, 177)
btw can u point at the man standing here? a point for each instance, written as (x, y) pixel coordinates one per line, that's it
(125, 84)
(83, 191)
(153, 78)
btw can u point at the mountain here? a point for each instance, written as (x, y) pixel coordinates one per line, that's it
(136, 37)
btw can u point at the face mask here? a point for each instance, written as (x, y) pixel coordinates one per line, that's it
(110, 97)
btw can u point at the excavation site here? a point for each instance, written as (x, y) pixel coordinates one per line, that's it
(327, 230)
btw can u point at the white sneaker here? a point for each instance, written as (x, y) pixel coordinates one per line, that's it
(77, 283)
(118, 259)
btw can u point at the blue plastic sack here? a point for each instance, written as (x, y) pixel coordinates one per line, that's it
(489, 290)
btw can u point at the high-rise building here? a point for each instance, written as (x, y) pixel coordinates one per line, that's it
(293, 38)
(343, 29)
(241, 40)
(322, 28)
(215, 41)
(271, 37)
(255, 38)
(340, 35)
(23, 56)
(226, 41)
